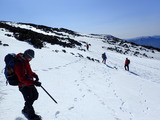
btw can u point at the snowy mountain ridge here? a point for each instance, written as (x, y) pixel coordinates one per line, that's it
(38, 35)
(153, 41)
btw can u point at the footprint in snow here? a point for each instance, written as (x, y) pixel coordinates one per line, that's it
(75, 99)
(50, 68)
(19, 118)
(89, 90)
(71, 108)
(103, 103)
(83, 96)
(117, 118)
(57, 67)
(57, 113)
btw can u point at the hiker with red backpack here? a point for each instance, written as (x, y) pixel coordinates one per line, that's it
(126, 64)
(27, 83)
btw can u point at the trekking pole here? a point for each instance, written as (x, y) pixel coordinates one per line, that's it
(49, 95)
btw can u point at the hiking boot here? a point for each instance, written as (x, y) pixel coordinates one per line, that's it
(34, 117)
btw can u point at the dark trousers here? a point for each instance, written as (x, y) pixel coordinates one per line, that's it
(30, 94)
(126, 67)
(104, 60)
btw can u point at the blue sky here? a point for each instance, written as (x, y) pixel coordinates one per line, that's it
(120, 18)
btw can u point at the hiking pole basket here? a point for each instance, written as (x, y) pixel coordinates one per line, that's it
(49, 95)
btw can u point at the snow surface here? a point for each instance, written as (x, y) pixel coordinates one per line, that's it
(84, 90)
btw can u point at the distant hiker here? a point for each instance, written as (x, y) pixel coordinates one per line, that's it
(126, 64)
(27, 83)
(104, 57)
(87, 46)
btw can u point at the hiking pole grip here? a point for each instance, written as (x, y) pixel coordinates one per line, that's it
(49, 95)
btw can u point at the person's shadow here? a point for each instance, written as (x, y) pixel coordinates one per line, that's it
(19, 118)
(109, 66)
(134, 73)
(112, 67)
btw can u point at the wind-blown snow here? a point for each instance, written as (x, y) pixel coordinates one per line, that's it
(84, 90)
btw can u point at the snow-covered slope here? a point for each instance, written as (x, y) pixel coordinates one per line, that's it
(85, 89)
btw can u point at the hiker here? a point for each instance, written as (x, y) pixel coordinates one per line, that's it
(27, 83)
(126, 64)
(87, 46)
(104, 57)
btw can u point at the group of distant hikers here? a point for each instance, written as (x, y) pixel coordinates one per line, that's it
(126, 63)
(104, 58)
(27, 79)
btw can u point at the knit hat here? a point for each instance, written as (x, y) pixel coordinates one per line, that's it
(29, 53)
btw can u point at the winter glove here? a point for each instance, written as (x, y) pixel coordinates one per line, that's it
(37, 78)
(36, 83)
